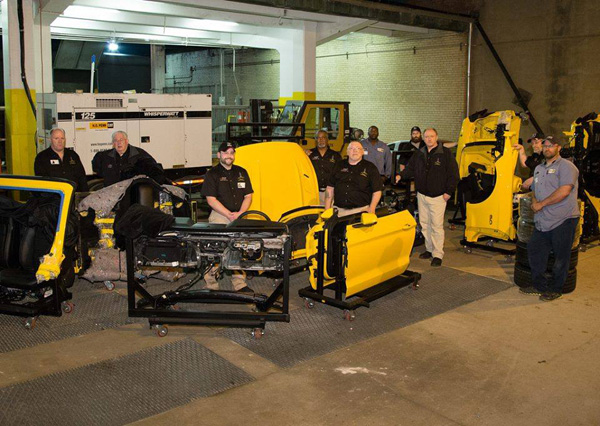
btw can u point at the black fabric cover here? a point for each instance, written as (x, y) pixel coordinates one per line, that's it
(140, 220)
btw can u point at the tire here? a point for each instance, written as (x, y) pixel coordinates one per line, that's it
(522, 258)
(525, 211)
(522, 278)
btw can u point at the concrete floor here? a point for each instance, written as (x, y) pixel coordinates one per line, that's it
(508, 359)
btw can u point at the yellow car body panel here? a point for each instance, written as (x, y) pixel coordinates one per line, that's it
(291, 216)
(582, 130)
(50, 266)
(282, 177)
(376, 253)
(492, 217)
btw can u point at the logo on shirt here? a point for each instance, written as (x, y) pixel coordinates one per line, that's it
(316, 157)
(380, 149)
(72, 162)
(332, 160)
(364, 173)
(437, 162)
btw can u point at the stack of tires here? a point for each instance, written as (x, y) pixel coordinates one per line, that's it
(525, 228)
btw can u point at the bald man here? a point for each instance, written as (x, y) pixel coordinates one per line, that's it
(354, 184)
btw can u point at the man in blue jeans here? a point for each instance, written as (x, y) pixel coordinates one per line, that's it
(556, 215)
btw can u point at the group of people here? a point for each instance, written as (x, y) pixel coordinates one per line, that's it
(355, 185)
(121, 162)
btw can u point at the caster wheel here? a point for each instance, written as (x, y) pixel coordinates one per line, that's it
(467, 250)
(109, 285)
(161, 330)
(452, 227)
(67, 307)
(490, 243)
(349, 315)
(415, 286)
(583, 248)
(309, 304)
(30, 323)
(258, 333)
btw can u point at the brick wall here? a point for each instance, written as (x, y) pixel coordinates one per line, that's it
(257, 74)
(394, 83)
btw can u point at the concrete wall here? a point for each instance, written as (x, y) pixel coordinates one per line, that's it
(551, 50)
(394, 83)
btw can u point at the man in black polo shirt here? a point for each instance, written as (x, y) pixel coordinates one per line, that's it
(436, 176)
(323, 160)
(536, 158)
(58, 162)
(125, 161)
(228, 191)
(354, 185)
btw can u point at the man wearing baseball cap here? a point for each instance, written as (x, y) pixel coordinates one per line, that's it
(536, 158)
(228, 191)
(416, 138)
(556, 215)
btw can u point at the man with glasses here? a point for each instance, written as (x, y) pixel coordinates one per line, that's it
(556, 215)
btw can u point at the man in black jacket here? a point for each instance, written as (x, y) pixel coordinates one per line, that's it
(436, 175)
(60, 162)
(125, 161)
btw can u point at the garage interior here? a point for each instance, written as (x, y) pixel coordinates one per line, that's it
(463, 348)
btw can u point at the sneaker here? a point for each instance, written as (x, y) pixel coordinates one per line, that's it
(436, 261)
(549, 296)
(246, 290)
(425, 255)
(532, 291)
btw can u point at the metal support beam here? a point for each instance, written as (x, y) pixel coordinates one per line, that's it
(509, 79)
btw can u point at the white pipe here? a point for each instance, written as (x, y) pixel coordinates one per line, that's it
(92, 76)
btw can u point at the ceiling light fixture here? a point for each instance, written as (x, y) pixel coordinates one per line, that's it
(113, 46)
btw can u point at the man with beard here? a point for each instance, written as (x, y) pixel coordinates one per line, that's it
(323, 160)
(408, 149)
(556, 215)
(378, 153)
(228, 191)
(354, 185)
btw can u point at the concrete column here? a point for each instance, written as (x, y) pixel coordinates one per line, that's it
(298, 51)
(157, 68)
(20, 119)
(42, 48)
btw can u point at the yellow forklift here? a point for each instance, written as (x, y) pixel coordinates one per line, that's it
(298, 121)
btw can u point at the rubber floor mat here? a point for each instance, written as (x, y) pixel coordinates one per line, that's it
(94, 310)
(321, 330)
(121, 390)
